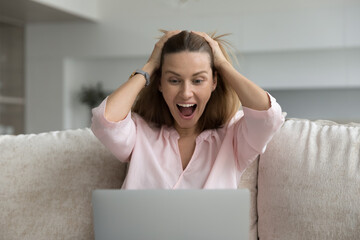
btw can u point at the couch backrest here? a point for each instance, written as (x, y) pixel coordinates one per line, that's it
(46, 181)
(309, 182)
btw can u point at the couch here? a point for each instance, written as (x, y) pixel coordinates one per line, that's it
(305, 186)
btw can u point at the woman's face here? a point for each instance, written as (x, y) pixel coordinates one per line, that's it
(186, 84)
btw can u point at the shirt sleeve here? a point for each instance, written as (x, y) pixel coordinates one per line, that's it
(254, 131)
(118, 137)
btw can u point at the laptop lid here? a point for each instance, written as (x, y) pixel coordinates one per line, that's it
(171, 214)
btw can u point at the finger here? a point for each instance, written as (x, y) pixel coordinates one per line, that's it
(156, 53)
(211, 41)
(168, 34)
(202, 34)
(218, 53)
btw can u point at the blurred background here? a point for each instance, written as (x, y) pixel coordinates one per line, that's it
(59, 57)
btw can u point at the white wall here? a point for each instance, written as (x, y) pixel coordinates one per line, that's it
(111, 72)
(281, 44)
(44, 94)
(83, 8)
(310, 68)
(341, 105)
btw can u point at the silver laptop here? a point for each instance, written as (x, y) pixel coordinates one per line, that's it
(171, 214)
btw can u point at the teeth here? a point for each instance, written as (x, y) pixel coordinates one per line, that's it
(186, 105)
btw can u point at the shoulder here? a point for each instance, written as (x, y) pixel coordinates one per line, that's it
(229, 128)
(236, 118)
(144, 126)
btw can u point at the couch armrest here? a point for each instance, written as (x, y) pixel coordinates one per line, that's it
(308, 182)
(46, 182)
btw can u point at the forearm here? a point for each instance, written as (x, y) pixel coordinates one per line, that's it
(250, 95)
(119, 103)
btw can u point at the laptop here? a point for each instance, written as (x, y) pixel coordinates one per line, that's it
(171, 214)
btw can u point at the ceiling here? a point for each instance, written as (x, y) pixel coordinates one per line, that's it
(25, 11)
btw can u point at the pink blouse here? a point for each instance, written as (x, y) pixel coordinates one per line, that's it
(219, 159)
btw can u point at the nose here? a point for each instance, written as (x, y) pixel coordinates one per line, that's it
(186, 90)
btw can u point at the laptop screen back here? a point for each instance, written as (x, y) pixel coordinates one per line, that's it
(171, 214)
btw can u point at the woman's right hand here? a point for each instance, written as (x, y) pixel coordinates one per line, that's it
(155, 58)
(119, 103)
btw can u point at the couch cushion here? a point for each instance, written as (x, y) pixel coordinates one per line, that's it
(309, 182)
(249, 180)
(46, 182)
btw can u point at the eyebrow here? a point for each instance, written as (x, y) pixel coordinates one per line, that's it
(197, 73)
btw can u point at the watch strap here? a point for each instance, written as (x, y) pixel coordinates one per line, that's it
(145, 74)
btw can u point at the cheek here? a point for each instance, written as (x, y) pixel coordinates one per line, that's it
(204, 98)
(168, 97)
(161, 84)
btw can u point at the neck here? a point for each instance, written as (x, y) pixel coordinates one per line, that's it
(186, 132)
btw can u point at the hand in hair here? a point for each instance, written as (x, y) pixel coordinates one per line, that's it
(155, 57)
(219, 57)
(250, 95)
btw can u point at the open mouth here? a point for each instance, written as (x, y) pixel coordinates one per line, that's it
(186, 110)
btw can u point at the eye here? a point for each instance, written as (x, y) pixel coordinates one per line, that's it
(173, 81)
(198, 81)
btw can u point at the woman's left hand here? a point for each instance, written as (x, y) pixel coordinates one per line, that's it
(250, 95)
(219, 57)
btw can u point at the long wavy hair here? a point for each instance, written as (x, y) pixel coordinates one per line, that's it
(223, 102)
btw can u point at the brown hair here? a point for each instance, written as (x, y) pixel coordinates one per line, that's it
(222, 104)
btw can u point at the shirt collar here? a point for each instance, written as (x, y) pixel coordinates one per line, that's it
(203, 136)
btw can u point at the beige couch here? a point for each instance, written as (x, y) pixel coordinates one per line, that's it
(305, 186)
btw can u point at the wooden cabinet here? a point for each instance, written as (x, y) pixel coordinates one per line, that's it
(12, 87)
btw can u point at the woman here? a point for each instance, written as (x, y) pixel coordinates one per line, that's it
(181, 127)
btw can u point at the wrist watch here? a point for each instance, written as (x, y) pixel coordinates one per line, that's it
(145, 74)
